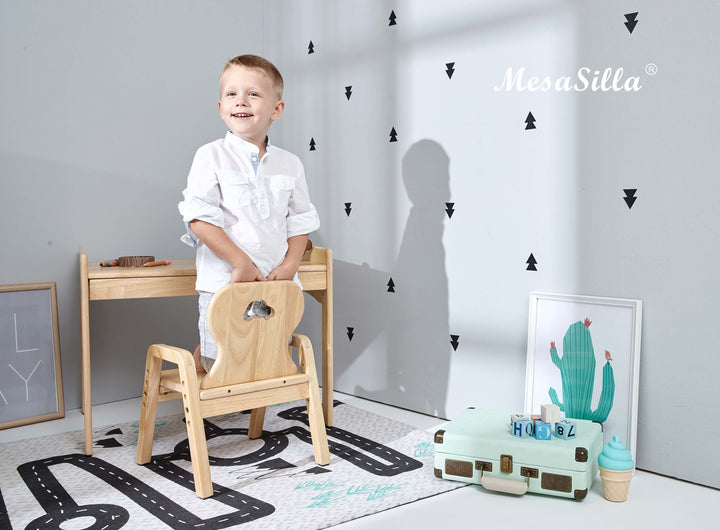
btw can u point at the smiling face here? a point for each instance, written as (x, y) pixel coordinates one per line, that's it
(249, 103)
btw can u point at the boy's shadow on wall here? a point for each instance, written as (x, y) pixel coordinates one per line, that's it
(414, 318)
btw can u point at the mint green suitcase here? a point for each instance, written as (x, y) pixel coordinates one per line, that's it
(478, 447)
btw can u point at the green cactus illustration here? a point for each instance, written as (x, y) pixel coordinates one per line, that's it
(577, 369)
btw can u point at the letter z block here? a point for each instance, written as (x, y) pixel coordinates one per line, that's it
(543, 431)
(522, 428)
(518, 416)
(566, 429)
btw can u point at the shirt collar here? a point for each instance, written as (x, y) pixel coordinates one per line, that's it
(243, 146)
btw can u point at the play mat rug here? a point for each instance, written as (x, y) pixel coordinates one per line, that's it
(272, 482)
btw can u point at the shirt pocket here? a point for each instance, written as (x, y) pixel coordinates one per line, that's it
(281, 187)
(235, 187)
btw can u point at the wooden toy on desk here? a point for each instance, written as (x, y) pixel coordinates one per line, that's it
(157, 263)
(135, 261)
(308, 249)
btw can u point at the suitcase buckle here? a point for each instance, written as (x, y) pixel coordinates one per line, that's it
(506, 463)
(529, 472)
(483, 466)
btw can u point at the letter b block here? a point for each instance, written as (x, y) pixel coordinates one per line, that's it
(566, 429)
(543, 431)
(522, 428)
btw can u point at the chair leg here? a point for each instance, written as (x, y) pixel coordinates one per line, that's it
(317, 426)
(148, 410)
(257, 418)
(196, 432)
(313, 403)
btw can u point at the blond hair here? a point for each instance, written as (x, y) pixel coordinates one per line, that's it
(255, 62)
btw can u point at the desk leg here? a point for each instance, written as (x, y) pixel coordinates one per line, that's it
(85, 351)
(327, 356)
(325, 300)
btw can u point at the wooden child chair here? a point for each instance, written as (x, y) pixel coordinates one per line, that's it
(253, 369)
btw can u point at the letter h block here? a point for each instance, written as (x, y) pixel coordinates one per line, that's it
(523, 428)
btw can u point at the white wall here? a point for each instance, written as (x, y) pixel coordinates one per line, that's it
(555, 192)
(103, 105)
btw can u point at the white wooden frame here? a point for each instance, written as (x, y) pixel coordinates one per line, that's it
(617, 328)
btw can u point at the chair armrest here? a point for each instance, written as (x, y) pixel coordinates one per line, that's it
(305, 353)
(178, 356)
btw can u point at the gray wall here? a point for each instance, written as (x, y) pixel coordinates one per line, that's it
(103, 105)
(555, 191)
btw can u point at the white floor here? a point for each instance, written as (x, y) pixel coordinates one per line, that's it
(654, 501)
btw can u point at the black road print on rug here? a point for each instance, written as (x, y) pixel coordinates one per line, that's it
(4, 515)
(60, 507)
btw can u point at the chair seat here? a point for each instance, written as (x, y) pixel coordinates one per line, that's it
(170, 381)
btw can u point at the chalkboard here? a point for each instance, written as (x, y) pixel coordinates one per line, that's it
(30, 371)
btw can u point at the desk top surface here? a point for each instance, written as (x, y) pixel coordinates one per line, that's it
(313, 260)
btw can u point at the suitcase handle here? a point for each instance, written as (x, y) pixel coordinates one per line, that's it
(504, 485)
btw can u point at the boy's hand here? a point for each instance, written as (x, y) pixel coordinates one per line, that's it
(290, 265)
(283, 271)
(246, 273)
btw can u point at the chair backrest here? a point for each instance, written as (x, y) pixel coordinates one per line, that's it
(253, 348)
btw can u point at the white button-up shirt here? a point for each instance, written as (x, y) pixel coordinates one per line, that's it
(258, 209)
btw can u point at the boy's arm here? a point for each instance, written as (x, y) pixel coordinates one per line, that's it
(287, 269)
(215, 238)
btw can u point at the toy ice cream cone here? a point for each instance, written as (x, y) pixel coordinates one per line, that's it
(616, 484)
(616, 470)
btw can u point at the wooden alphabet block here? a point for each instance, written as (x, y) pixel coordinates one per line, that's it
(518, 416)
(566, 429)
(523, 428)
(550, 413)
(543, 431)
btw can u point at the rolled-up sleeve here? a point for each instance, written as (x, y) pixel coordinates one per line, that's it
(201, 198)
(302, 216)
(195, 208)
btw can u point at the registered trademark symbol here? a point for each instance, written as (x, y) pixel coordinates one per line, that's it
(651, 69)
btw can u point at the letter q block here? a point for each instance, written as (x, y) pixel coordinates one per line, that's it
(566, 429)
(522, 428)
(550, 413)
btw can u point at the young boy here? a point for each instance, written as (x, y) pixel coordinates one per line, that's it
(246, 205)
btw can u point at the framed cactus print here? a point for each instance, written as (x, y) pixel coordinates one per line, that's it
(583, 355)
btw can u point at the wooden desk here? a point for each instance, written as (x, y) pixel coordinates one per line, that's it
(178, 279)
